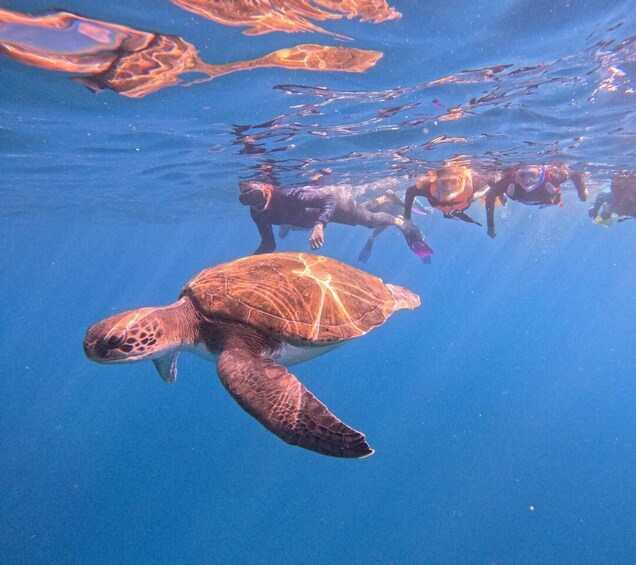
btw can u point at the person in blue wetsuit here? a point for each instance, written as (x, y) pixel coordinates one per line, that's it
(618, 201)
(314, 208)
(535, 185)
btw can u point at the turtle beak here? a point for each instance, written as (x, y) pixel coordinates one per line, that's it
(88, 350)
(134, 335)
(94, 347)
(106, 344)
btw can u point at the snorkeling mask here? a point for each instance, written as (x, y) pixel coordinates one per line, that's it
(450, 184)
(255, 194)
(530, 177)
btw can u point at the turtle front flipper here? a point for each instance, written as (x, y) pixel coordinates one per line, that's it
(167, 367)
(285, 407)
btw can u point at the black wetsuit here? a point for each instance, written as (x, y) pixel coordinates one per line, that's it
(540, 196)
(304, 207)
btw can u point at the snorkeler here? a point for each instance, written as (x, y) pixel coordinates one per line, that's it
(314, 208)
(451, 189)
(536, 185)
(616, 202)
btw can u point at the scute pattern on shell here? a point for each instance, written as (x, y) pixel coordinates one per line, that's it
(302, 297)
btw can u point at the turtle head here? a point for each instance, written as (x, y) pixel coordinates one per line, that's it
(135, 335)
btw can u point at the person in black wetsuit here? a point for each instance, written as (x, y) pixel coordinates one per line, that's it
(313, 208)
(617, 201)
(536, 185)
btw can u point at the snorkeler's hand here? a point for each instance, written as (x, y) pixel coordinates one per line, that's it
(317, 237)
(491, 232)
(479, 195)
(579, 180)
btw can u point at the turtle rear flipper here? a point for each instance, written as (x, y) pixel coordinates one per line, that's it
(285, 407)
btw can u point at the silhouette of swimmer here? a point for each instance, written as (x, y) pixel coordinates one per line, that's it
(135, 63)
(535, 185)
(616, 202)
(451, 189)
(314, 208)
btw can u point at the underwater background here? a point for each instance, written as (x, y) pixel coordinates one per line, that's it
(502, 410)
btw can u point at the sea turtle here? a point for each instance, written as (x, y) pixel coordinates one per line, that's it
(254, 313)
(135, 63)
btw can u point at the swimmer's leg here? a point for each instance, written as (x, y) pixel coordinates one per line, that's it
(389, 198)
(412, 234)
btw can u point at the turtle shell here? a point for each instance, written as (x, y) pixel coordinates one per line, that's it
(301, 297)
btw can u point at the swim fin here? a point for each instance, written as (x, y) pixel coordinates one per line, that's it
(606, 222)
(417, 245)
(365, 253)
(422, 249)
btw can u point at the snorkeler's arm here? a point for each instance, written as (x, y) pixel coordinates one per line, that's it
(491, 197)
(481, 186)
(578, 178)
(268, 242)
(409, 198)
(421, 187)
(558, 173)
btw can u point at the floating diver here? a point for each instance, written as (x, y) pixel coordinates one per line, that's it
(618, 202)
(314, 208)
(535, 185)
(451, 189)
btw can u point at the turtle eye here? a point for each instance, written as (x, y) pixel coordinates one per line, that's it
(116, 340)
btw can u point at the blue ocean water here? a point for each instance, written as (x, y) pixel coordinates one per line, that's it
(501, 411)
